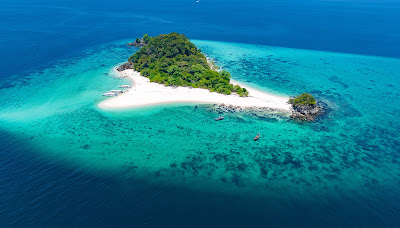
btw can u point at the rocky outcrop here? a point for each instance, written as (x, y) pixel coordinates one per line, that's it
(306, 112)
(212, 65)
(259, 112)
(125, 66)
(137, 44)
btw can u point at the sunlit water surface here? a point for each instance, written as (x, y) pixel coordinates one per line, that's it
(347, 162)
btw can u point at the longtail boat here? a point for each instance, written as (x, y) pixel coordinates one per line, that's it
(219, 118)
(257, 137)
(109, 94)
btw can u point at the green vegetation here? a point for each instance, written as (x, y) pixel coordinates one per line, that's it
(146, 38)
(173, 60)
(303, 99)
(141, 42)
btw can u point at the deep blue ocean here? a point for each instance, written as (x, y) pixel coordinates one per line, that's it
(64, 163)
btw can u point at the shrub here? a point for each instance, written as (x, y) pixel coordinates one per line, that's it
(303, 99)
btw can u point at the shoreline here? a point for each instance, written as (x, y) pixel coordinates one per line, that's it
(145, 93)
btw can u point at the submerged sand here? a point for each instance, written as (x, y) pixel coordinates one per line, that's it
(146, 93)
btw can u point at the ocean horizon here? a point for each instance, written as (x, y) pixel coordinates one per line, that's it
(66, 162)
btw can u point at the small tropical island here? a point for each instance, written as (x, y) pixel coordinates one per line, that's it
(169, 68)
(173, 60)
(305, 107)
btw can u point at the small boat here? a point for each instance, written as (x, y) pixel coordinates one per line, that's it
(109, 94)
(257, 137)
(116, 91)
(219, 118)
(124, 86)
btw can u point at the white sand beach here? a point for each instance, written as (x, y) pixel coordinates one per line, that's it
(146, 93)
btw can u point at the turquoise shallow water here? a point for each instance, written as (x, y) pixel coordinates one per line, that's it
(351, 154)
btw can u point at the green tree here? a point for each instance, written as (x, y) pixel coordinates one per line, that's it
(303, 99)
(146, 38)
(173, 60)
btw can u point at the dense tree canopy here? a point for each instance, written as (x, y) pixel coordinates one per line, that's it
(303, 99)
(173, 60)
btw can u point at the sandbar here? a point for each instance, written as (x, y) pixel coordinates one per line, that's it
(146, 93)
